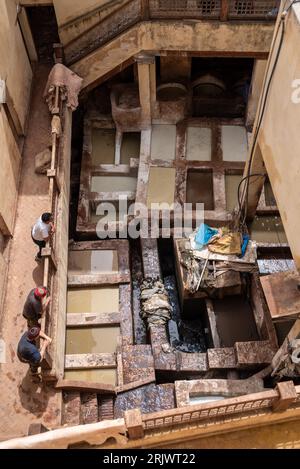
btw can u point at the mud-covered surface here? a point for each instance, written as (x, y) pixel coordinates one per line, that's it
(235, 320)
(186, 335)
(139, 326)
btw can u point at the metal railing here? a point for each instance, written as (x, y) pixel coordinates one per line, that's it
(255, 9)
(208, 9)
(215, 9)
(135, 11)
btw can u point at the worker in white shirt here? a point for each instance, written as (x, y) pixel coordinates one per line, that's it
(42, 231)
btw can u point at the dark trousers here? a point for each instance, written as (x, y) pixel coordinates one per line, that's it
(40, 244)
(33, 366)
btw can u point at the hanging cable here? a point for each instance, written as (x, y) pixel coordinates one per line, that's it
(241, 182)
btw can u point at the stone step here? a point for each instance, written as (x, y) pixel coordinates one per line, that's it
(89, 408)
(71, 408)
(105, 407)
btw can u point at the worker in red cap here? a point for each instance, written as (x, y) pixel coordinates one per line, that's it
(28, 351)
(36, 305)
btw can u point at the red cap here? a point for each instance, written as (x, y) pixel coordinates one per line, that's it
(33, 333)
(40, 292)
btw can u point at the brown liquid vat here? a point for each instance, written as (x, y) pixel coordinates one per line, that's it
(199, 189)
(93, 300)
(231, 188)
(92, 340)
(93, 261)
(268, 229)
(161, 186)
(103, 146)
(130, 148)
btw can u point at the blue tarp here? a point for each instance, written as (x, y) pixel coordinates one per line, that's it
(245, 244)
(204, 235)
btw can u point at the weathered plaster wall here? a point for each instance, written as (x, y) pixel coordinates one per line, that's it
(68, 10)
(203, 38)
(279, 135)
(255, 90)
(14, 63)
(9, 176)
(16, 70)
(75, 16)
(9, 171)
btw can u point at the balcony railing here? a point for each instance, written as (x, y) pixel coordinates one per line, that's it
(134, 11)
(215, 9)
(185, 9)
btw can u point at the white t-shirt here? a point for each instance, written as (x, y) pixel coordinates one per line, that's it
(41, 230)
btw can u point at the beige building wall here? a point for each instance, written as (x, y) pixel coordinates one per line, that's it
(14, 64)
(15, 69)
(258, 74)
(279, 135)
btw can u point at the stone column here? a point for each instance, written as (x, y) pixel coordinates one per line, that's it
(147, 87)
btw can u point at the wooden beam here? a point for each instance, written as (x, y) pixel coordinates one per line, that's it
(52, 174)
(212, 323)
(111, 196)
(97, 279)
(99, 170)
(256, 183)
(92, 319)
(145, 12)
(224, 10)
(90, 360)
(48, 252)
(85, 386)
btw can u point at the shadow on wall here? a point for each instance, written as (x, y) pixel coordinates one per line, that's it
(34, 396)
